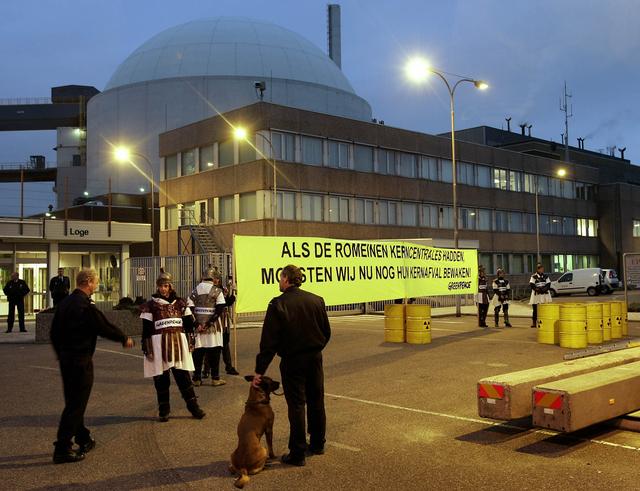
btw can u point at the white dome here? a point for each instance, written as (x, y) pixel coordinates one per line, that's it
(229, 47)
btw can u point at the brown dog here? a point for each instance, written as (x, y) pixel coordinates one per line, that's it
(257, 420)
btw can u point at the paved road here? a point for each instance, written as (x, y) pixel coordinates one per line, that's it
(399, 416)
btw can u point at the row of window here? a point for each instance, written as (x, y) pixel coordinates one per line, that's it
(346, 209)
(526, 263)
(364, 158)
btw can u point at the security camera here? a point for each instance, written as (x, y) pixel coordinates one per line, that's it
(259, 85)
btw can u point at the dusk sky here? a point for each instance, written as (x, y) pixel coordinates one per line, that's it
(525, 50)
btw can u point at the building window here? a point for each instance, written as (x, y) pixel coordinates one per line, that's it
(529, 223)
(569, 226)
(446, 172)
(311, 151)
(364, 211)
(170, 166)
(248, 206)
(467, 218)
(246, 149)
(226, 209)
(225, 153)
(636, 228)
(206, 158)
(555, 187)
(446, 217)
(394, 210)
(188, 214)
(171, 217)
(516, 264)
(311, 207)
(501, 221)
(466, 174)
(383, 213)
(485, 260)
(529, 183)
(363, 158)
(407, 165)
(286, 205)
(188, 162)
(428, 168)
(484, 220)
(484, 176)
(409, 214)
(543, 185)
(515, 181)
(339, 155)
(387, 162)
(515, 222)
(568, 189)
(500, 179)
(283, 146)
(587, 227)
(500, 261)
(429, 216)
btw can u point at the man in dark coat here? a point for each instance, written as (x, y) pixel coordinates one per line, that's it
(15, 290)
(59, 287)
(296, 327)
(76, 326)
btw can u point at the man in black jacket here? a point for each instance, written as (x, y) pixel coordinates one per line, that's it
(15, 290)
(296, 327)
(59, 287)
(76, 326)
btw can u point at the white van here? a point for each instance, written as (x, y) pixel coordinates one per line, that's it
(587, 280)
(610, 280)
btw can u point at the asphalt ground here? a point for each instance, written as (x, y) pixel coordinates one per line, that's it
(399, 417)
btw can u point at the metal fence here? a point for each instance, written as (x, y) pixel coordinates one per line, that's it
(187, 270)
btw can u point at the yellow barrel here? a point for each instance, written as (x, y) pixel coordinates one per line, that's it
(594, 323)
(625, 319)
(606, 321)
(418, 324)
(547, 323)
(616, 320)
(394, 323)
(573, 326)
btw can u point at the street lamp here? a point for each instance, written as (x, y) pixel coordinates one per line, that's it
(560, 173)
(123, 154)
(241, 134)
(418, 70)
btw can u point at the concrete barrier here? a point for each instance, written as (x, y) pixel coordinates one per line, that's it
(508, 396)
(574, 403)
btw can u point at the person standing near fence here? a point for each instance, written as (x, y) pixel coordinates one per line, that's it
(540, 284)
(15, 290)
(501, 297)
(482, 298)
(165, 319)
(208, 305)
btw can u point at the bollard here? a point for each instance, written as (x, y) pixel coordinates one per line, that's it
(418, 324)
(573, 326)
(547, 323)
(594, 323)
(394, 323)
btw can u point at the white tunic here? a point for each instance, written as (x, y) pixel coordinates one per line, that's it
(158, 365)
(537, 298)
(203, 305)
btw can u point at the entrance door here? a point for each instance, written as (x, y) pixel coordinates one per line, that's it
(35, 275)
(201, 207)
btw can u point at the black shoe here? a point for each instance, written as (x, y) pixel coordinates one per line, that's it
(7, 331)
(23, 330)
(232, 371)
(507, 325)
(195, 410)
(163, 413)
(293, 460)
(87, 446)
(315, 450)
(205, 375)
(163, 418)
(67, 456)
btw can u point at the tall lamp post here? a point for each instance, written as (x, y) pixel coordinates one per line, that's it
(559, 173)
(241, 135)
(123, 154)
(418, 70)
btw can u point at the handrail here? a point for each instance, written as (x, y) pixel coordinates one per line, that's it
(193, 221)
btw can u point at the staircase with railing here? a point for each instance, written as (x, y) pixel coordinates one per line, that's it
(203, 238)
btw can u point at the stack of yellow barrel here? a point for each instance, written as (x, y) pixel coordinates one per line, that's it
(574, 325)
(410, 323)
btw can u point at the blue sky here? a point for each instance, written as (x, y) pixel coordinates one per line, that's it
(525, 50)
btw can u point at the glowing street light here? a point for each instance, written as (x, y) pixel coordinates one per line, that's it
(123, 154)
(418, 70)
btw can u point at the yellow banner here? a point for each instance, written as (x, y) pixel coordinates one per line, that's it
(349, 271)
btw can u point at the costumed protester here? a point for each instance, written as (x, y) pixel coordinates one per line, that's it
(482, 298)
(165, 320)
(540, 285)
(501, 297)
(229, 299)
(207, 303)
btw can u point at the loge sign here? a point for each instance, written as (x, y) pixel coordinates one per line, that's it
(349, 271)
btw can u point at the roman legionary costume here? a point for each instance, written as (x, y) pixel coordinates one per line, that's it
(540, 285)
(482, 298)
(165, 320)
(207, 303)
(501, 296)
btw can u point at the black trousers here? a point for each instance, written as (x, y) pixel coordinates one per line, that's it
(213, 361)
(534, 317)
(226, 352)
(303, 383)
(13, 303)
(77, 381)
(483, 309)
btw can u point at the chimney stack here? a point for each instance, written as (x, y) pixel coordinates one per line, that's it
(508, 120)
(333, 34)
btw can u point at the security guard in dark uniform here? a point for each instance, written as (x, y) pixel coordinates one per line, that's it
(76, 326)
(482, 298)
(296, 327)
(59, 287)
